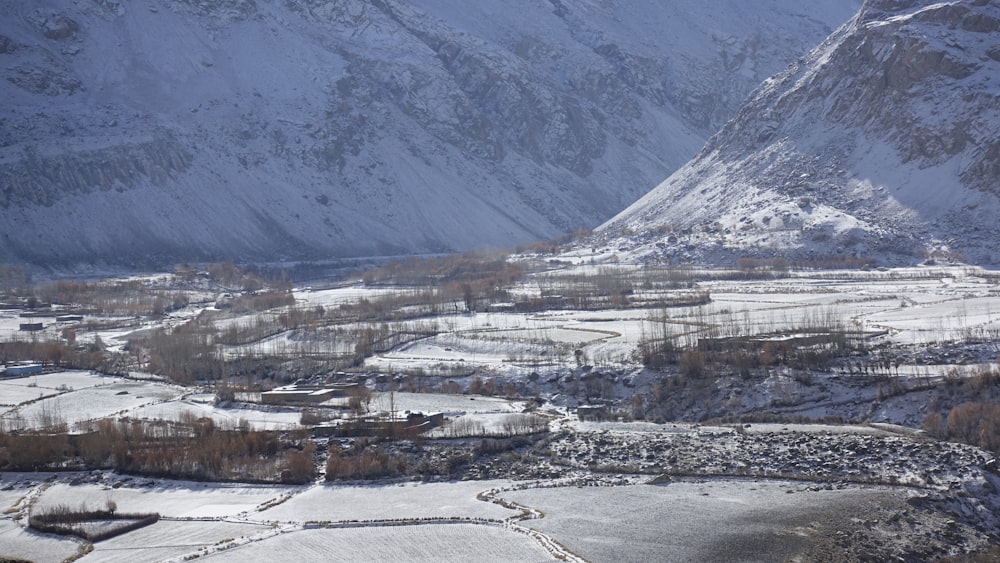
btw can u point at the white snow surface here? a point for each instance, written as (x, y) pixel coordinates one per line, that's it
(691, 521)
(880, 144)
(175, 130)
(169, 498)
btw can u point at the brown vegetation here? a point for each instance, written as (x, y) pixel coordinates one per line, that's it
(55, 354)
(362, 461)
(191, 449)
(117, 298)
(974, 417)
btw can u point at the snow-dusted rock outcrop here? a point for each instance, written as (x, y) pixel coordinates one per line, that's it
(884, 143)
(166, 130)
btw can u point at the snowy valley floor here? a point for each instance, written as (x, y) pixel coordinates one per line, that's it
(585, 491)
(752, 475)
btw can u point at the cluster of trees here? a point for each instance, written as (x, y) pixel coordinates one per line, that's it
(14, 281)
(145, 297)
(746, 355)
(486, 386)
(465, 267)
(511, 425)
(590, 386)
(57, 354)
(476, 280)
(116, 298)
(376, 338)
(185, 353)
(363, 460)
(379, 458)
(472, 279)
(974, 417)
(727, 345)
(333, 337)
(615, 288)
(972, 422)
(190, 449)
(235, 278)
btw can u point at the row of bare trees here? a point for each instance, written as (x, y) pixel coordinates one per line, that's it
(56, 354)
(192, 449)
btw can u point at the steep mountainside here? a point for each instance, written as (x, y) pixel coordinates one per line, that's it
(167, 130)
(883, 143)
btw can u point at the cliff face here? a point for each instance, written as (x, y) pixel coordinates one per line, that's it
(883, 143)
(175, 130)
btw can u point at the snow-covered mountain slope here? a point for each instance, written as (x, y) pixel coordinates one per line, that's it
(162, 130)
(884, 143)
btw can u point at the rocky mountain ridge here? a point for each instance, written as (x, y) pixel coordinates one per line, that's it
(882, 145)
(172, 130)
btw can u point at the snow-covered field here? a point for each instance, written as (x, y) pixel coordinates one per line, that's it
(913, 307)
(337, 503)
(240, 415)
(73, 397)
(171, 540)
(171, 499)
(754, 499)
(582, 515)
(448, 404)
(430, 543)
(267, 521)
(17, 542)
(52, 383)
(707, 520)
(92, 403)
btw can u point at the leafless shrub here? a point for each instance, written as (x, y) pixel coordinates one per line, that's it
(366, 465)
(465, 427)
(521, 424)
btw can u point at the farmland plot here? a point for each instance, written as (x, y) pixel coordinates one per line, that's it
(718, 520)
(448, 404)
(10, 323)
(487, 347)
(488, 424)
(501, 342)
(60, 381)
(341, 295)
(437, 543)
(294, 342)
(14, 391)
(911, 307)
(170, 539)
(171, 499)
(946, 318)
(255, 418)
(18, 542)
(13, 395)
(328, 503)
(106, 401)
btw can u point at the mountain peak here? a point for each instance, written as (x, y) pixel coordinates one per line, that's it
(882, 144)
